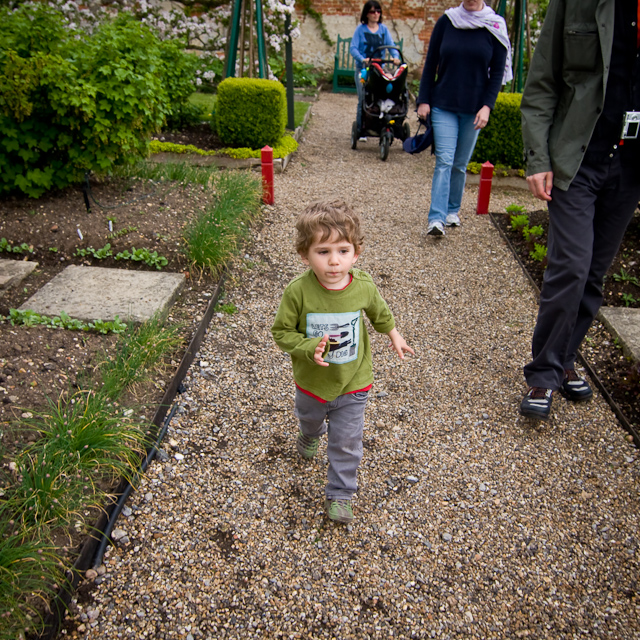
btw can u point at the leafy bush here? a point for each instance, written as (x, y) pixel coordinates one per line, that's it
(179, 77)
(304, 75)
(500, 142)
(72, 102)
(251, 112)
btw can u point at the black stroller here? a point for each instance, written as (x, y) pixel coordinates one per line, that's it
(386, 101)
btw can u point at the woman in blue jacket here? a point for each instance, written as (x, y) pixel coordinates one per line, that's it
(368, 36)
(462, 75)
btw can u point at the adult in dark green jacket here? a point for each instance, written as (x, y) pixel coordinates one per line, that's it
(584, 78)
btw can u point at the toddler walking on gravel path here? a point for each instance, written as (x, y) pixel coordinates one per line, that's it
(320, 323)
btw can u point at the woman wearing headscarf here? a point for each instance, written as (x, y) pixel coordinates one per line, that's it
(368, 36)
(468, 61)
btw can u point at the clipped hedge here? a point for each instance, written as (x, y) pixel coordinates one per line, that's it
(250, 112)
(500, 142)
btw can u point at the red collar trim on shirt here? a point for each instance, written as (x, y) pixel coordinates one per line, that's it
(343, 288)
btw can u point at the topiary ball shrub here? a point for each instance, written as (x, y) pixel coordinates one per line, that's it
(250, 112)
(500, 142)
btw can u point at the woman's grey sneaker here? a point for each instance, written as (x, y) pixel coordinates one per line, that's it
(307, 446)
(435, 229)
(452, 220)
(339, 510)
(574, 387)
(537, 403)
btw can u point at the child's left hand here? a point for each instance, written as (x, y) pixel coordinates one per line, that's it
(399, 345)
(317, 356)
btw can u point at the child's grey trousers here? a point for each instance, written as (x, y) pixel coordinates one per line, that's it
(345, 417)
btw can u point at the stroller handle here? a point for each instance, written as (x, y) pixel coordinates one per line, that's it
(386, 47)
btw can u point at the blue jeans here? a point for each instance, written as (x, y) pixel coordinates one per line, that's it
(454, 138)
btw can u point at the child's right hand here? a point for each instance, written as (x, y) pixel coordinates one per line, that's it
(317, 356)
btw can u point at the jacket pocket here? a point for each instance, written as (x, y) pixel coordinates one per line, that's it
(581, 47)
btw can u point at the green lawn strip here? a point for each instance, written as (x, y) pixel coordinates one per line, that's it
(285, 146)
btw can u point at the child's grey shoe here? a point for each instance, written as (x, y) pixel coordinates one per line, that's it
(307, 446)
(339, 510)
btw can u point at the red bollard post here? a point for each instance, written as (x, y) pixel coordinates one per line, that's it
(266, 158)
(484, 193)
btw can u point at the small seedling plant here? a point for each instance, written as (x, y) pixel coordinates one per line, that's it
(7, 247)
(623, 276)
(532, 235)
(151, 258)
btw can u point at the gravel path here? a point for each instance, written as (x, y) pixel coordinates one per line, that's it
(470, 522)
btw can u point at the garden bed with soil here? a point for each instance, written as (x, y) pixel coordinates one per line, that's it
(619, 375)
(38, 362)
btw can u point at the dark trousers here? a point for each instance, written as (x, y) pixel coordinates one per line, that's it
(586, 226)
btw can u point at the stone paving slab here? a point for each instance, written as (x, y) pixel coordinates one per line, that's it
(13, 272)
(96, 293)
(624, 324)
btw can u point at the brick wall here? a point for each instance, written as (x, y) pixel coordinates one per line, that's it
(411, 20)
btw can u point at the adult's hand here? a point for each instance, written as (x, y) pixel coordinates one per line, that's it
(396, 61)
(540, 184)
(423, 111)
(482, 117)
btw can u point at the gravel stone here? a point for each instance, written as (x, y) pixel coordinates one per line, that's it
(235, 543)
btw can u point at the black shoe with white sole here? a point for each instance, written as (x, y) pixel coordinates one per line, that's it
(574, 387)
(537, 403)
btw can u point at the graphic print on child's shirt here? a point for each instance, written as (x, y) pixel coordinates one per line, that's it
(343, 330)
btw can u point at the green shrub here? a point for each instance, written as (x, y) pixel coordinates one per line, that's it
(250, 112)
(500, 142)
(179, 76)
(72, 102)
(304, 75)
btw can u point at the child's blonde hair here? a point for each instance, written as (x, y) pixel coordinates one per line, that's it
(327, 218)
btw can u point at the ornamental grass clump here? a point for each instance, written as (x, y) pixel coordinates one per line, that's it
(90, 432)
(138, 354)
(216, 233)
(30, 574)
(51, 492)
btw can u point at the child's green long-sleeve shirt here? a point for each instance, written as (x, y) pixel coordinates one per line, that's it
(308, 311)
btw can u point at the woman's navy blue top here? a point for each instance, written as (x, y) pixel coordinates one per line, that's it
(463, 70)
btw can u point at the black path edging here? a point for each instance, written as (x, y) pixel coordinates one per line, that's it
(60, 603)
(627, 426)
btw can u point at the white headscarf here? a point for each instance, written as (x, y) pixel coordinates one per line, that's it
(488, 19)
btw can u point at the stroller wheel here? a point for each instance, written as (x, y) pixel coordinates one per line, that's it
(354, 135)
(406, 130)
(385, 142)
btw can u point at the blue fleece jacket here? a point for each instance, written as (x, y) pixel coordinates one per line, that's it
(463, 70)
(364, 43)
